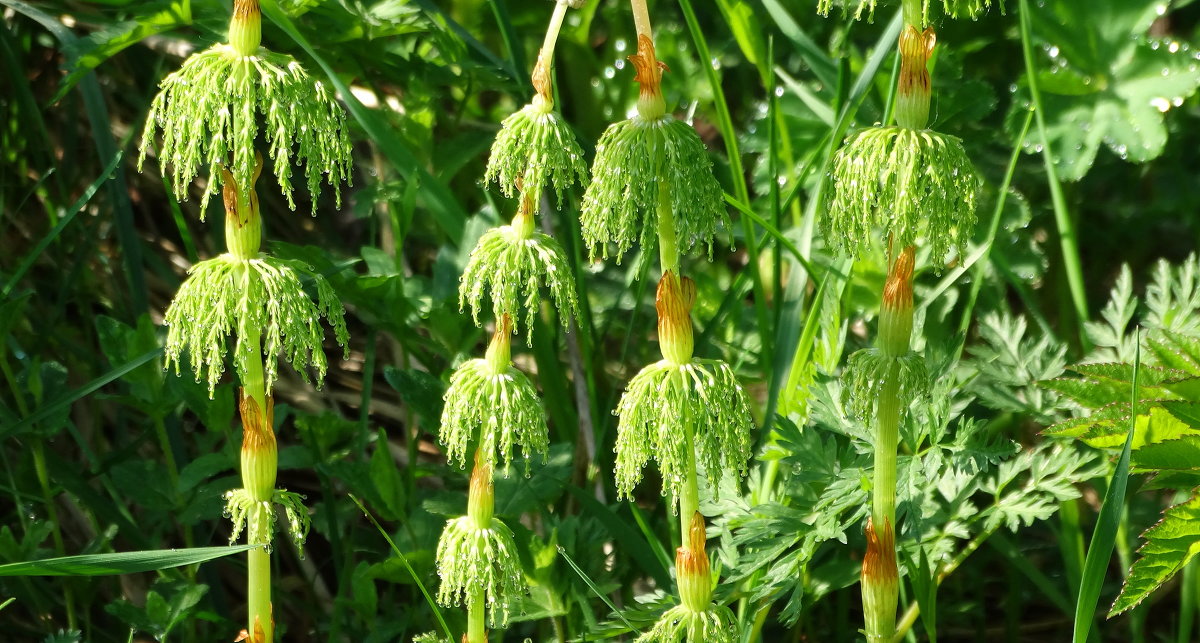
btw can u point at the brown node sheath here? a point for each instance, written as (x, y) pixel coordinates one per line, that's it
(258, 431)
(915, 49)
(541, 78)
(691, 559)
(647, 70)
(243, 9)
(674, 305)
(259, 636)
(898, 289)
(879, 563)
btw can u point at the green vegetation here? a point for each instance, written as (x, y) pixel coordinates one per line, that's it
(917, 361)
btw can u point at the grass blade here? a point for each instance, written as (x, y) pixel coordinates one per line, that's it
(1068, 239)
(74, 396)
(595, 590)
(126, 562)
(75, 209)
(1104, 537)
(437, 612)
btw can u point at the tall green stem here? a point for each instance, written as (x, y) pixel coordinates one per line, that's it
(880, 582)
(668, 248)
(887, 437)
(259, 463)
(481, 507)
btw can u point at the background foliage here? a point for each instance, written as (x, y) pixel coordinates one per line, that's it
(102, 451)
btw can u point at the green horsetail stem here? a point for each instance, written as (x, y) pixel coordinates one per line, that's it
(245, 28)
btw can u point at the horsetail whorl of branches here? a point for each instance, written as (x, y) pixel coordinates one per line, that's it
(226, 295)
(490, 402)
(477, 559)
(535, 147)
(679, 412)
(207, 113)
(695, 619)
(641, 157)
(510, 264)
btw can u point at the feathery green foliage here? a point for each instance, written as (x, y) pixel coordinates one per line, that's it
(636, 158)
(470, 558)
(907, 182)
(954, 8)
(535, 149)
(680, 624)
(662, 404)
(207, 113)
(224, 295)
(239, 505)
(868, 370)
(500, 408)
(510, 268)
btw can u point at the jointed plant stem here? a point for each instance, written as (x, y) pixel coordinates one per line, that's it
(887, 437)
(258, 561)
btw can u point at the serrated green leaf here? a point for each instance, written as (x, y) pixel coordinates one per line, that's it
(1170, 544)
(1182, 454)
(129, 562)
(1155, 426)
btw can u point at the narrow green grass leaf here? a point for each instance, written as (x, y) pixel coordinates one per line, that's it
(625, 536)
(738, 174)
(1104, 537)
(1068, 238)
(66, 220)
(127, 562)
(595, 590)
(51, 408)
(108, 42)
(437, 612)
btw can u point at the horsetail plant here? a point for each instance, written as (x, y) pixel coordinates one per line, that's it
(535, 149)
(207, 114)
(914, 184)
(490, 404)
(493, 406)
(652, 181)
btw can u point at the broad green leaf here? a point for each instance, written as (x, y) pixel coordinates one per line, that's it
(1170, 544)
(129, 562)
(1109, 83)
(1155, 426)
(1180, 455)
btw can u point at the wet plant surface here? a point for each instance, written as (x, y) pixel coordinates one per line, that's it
(599, 320)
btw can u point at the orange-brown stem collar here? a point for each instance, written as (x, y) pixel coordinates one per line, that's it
(674, 304)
